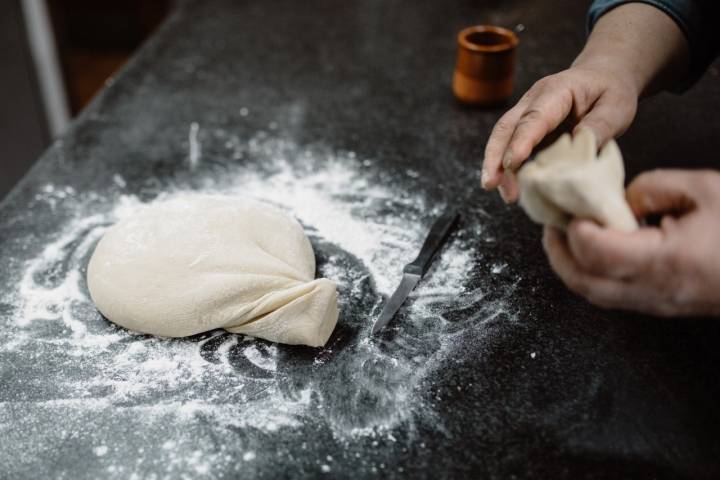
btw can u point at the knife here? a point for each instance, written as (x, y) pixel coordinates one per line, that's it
(415, 270)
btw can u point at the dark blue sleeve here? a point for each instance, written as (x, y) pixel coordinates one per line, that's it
(697, 19)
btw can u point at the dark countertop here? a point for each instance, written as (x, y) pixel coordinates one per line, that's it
(341, 112)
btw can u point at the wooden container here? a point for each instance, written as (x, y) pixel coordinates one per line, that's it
(485, 65)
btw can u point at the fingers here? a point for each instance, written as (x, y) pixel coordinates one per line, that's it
(662, 191)
(598, 101)
(653, 292)
(610, 253)
(538, 113)
(508, 187)
(542, 115)
(598, 290)
(607, 119)
(497, 144)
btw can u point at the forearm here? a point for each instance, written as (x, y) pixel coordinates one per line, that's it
(639, 43)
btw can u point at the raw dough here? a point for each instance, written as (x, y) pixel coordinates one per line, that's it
(200, 262)
(569, 179)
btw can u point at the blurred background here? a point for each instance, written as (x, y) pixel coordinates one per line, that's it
(55, 56)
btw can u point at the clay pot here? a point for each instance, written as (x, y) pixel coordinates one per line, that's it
(485, 65)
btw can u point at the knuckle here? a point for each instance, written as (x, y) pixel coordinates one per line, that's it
(604, 125)
(548, 80)
(641, 180)
(503, 125)
(582, 99)
(518, 151)
(591, 260)
(540, 84)
(714, 176)
(538, 87)
(600, 301)
(684, 298)
(631, 107)
(533, 91)
(645, 179)
(532, 115)
(602, 128)
(671, 306)
(532, 118)
(709, 180)
(578, 286)
(585, 254)
(565, 100)
(678, 260)
(528, 96)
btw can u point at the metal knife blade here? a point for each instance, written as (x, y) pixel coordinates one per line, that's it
(408, 282)
(415, 270)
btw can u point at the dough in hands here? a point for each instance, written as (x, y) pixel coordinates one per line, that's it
(570, 179)
(201, 262)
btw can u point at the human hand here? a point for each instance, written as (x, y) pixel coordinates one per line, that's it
(673, 269)
(596, 95)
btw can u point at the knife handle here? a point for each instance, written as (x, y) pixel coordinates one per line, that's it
(435, 239)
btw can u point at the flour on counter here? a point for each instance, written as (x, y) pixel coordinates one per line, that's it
(363, 231)
(194, 146)
(100, 451)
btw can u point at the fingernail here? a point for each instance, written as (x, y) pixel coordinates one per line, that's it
(507, 159)
(503, 193)
(484, 179)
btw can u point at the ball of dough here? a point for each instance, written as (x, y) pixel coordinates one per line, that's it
(570, 179)
(201, 262)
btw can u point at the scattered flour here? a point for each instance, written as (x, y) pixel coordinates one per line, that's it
(194, 146)
(363, 231)
(100, 451)
(498, 268)
(268, 363)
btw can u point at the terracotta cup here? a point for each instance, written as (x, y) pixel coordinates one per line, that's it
(485, 65)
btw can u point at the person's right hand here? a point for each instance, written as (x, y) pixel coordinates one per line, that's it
(594, 97)
(668, 270)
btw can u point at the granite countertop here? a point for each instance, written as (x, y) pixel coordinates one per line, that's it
(341, 114)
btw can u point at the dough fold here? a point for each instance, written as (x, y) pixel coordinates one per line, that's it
(201, 262)
(570, 179)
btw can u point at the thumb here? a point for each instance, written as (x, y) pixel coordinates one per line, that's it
(661, 191)
(612, 253)
(607, 119)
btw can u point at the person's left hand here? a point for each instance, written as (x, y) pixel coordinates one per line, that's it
(673, 269)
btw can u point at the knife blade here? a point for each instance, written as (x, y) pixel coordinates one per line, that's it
(415, 270)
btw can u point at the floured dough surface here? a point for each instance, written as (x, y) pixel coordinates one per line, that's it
(201, 262)
(570, 179)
